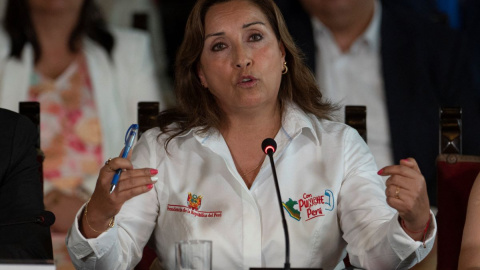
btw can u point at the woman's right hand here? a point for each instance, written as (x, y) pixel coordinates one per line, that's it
(103, 206)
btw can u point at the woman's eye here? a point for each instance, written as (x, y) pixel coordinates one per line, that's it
(218, 47)
(256, 37)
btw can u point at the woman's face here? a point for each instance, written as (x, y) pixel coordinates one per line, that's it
(242, 61)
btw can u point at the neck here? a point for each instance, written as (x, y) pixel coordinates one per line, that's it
(244, 134)
(53, 31)
(255, 124)
(348, 24)
(244, 139)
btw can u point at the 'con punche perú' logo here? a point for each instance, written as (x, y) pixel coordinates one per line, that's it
(311, 206)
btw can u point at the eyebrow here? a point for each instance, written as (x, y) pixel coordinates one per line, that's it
(243, 27)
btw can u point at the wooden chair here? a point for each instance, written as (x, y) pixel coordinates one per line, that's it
(140, 21)
(455, 176)
(356, 117)
(147, 116)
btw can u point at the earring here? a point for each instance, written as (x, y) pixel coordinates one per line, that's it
(285, 68)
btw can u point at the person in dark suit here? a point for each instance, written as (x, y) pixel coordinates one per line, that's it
(21, 196)
(470, 11)
(421, 67)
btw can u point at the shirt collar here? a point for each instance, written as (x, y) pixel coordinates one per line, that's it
(294, 122)
(371, 36)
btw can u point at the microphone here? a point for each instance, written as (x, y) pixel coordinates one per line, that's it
(46, 218)
(269, 146)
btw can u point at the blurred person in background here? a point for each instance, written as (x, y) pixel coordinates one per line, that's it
(402, 65)
(88, 79)
(145, 15)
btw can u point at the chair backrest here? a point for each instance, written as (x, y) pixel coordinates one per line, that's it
(140, 21)
(147, 113)
(356, 117)
(455, 176)
(450, 130)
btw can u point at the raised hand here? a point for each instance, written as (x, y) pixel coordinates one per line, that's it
(407, 192)
(101, 209)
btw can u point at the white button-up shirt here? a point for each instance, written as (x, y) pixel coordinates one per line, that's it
(330, 190)
(355, 77)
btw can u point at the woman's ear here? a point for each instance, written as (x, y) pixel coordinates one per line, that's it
(282, 49)
(201, 75)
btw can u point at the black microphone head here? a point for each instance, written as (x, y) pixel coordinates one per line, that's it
(269, 145)
(46, 218)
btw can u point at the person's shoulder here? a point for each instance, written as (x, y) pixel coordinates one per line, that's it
(421, 26)
(329, 127)
(333, 127)
(15, 122)
(155, 134)
(8, 117)
(295, 118)
(151, 133)
(155, 138)
(130, 44)
(129, 35)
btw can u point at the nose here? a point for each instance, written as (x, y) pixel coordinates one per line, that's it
(243, 64)
(242, 59)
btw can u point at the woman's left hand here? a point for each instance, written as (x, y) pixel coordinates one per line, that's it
(407, 192)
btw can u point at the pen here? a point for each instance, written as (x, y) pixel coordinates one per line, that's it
(129, 139)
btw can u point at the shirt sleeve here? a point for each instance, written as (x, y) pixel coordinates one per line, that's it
(120, 247)
(371, 227)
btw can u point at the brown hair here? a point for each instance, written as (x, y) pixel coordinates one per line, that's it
(197, 106)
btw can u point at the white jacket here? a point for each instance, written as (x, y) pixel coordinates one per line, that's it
(118, 83)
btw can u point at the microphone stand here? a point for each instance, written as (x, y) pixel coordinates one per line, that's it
(269, 147)
(284, 221)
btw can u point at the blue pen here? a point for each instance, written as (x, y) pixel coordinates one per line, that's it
(129, 139)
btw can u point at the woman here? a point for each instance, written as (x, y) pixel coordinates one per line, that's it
(88, 80)
(203, 175)
(470, 249)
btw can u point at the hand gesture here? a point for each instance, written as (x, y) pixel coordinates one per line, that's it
(407, 192)
(101, 209)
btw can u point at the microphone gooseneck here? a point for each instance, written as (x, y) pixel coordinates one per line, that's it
(269, 146)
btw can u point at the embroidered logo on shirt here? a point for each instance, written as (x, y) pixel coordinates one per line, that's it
(312, 206)
(194, 202)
